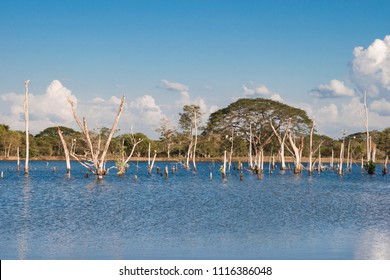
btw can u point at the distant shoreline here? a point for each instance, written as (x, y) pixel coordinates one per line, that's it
(288, 159)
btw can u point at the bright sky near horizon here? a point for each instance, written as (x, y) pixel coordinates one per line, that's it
(316, 55)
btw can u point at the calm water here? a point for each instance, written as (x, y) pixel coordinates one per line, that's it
(49, 216)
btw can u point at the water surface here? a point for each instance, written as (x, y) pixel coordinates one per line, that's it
(47, 215)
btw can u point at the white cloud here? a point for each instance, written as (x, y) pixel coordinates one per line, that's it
(381, 106)
(263, 91)
(332, 118)
(174, 86)
(205, 108)
(52, 109)
(49, 109)
(334, 89)
(371, 68)
(177, 87)
(146, 110)
(98, 100)
(139, 115)
(185, 99)
(370, 71)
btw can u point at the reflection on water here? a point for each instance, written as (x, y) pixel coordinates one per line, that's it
(22, 236)
(48, 215)
(373, 244)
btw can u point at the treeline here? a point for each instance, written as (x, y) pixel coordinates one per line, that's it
(243, 125)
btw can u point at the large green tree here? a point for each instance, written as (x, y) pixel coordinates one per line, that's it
(250, 119)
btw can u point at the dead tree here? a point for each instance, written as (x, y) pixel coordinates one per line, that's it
(231, 150)
(223, 168)
(66, 151)
(340, 170)
(18, 159)
(282, 142)
(297, 149)
(121, 165)
(27, 132)
(189, 152)
(311, 147)
(150, 168)
(369, 146)
(319, 169)
(195, 141)
(95, 164)
(297, 152)
(250, 147)
(331, 161)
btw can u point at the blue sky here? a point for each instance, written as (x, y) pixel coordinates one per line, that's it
(168, 53)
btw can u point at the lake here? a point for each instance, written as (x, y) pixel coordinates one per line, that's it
(47, 215)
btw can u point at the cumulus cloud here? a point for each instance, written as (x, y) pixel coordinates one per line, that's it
(186, 99)
(139, 115)
(332, 118)
(262, 91)
(370, 68)
(382, 107)
(49, 109)
(146, 110)
(370, 72)
(52, 109)
(334, 89)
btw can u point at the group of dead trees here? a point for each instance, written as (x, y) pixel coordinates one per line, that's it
(260, 121)
(283, 122)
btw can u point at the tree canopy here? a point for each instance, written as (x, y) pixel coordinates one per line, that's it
(255, 114)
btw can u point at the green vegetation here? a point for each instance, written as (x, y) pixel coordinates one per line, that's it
(214, 137)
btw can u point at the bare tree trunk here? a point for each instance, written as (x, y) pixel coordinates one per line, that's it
(151, 166)
(196, 141)
(66, 151)
(189, 149)
(9, 149)
(349, 147)
(341, 171)
(365, 122)
(18, 160)
(250, 148)
(384, 171)
(231, 151)
(149, 156)
(27, 132)
(224, 166)
(332, 160)
(260, 164)
(311, 148)
(282, 143)
(262, 159)
(297, 153)
(319, 160)
(373, 149)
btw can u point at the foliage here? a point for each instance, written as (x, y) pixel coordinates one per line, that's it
(188, 116)
(167, 135)
(257, 112)
(215, 138)
(370, 167)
